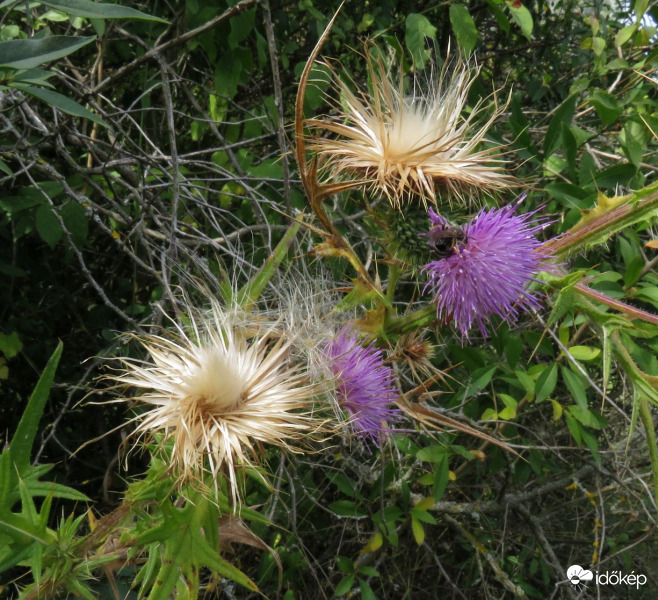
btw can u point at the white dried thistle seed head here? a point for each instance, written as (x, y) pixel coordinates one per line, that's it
(406, 146)
(217, 390)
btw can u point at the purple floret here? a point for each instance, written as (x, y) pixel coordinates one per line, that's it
(487, 271)
(365, 386)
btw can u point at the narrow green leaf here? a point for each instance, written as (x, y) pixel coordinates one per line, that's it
(167, 577)
(563, 114)
(574, 428)
(28, 54)
(587, 417)
(57, 490)
(640, 7)
(366, 590)
(21, 444)
(464, 27)
(217, 564)
(647, 422)
(423, 516)
(34, 77)
(14, 556)
(6, 483)
(576, 385)
(344, 585)
(585, 352)
(441, 479)
(101, 10)
(625, 34)
(546, 383)
(249, 293)
(65, 104)
(481, 379)
(346, 508)
(418, 531)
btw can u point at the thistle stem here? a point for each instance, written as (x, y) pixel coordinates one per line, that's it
(607, 219)
(411, 321)
(631, 311)
(647, 423)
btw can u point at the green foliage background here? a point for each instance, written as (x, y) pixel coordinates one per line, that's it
(173, 165)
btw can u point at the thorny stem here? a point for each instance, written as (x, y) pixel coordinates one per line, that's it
(647, 423)
(631, 311)
(315, 192)
(598, 228)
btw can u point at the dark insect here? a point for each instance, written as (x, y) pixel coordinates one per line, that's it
(444, 241)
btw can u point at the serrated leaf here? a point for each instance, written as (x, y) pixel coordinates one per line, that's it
(28, 54)
(101, 10)
(464, 27)
(64, 103)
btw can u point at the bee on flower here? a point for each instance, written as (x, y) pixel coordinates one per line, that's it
(483, 268)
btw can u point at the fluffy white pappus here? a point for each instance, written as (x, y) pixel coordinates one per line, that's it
(217, 391)
(406, 146)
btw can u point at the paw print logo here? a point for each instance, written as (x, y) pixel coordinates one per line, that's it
(578, 575)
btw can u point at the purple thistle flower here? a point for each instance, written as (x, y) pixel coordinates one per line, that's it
(484, 267)
(365, 386)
